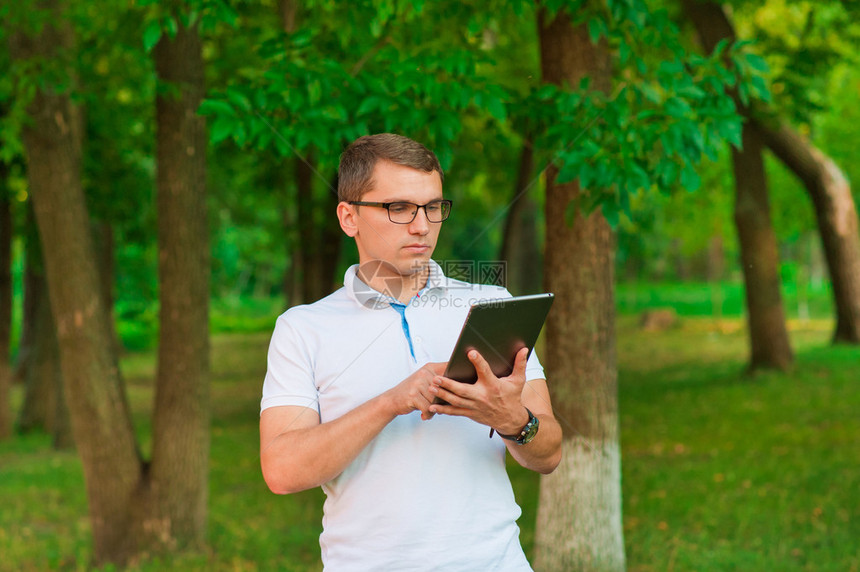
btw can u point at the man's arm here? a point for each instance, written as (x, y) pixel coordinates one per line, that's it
(501, 403)
(297, 452)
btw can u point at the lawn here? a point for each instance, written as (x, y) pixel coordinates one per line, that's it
(720, 471)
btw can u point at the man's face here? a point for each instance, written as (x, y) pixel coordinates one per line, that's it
(407, 247)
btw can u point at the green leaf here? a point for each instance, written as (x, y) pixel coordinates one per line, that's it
(216, 107)
(239, 99)
(596, 28)
(496, 107)
(650, 93)
(759, 88)
(690, 179)
(222, 127)
(568, 172)
(757, 63)
(171, 26)
(151, 35)
(611, 213)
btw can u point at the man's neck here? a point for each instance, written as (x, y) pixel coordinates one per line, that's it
(400, 286)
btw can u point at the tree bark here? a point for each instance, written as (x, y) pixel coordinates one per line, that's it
(97, 403)
(5, 303)
(293, 281)
(331, 239)
(308, 245)
(770, 347)
(579, 515)
(825, 183)
(177, 490)
(520, 247)
(44, 406)
(105, 246)
(836, 214)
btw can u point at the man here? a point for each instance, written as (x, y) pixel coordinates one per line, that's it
(349, 400)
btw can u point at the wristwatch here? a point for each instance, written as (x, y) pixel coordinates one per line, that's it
(527, 433)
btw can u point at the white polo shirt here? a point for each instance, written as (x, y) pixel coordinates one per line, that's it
(423, 495)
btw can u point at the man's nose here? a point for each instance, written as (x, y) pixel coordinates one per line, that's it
(420, 224)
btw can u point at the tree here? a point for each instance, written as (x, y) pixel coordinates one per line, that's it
(44, 406)
(824, 182)
(584, 534)
(520, 245)
(134, 505)
(617, 124)
(768, 333)
(97, 403)
(177, 489)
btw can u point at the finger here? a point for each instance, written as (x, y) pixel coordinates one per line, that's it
(520, 363)
(452, 398)
(450, 410)
(481, 365)
(460, 389)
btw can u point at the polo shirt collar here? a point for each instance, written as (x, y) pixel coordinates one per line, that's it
(363, 294)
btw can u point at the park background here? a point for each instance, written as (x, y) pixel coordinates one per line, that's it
(166, 193)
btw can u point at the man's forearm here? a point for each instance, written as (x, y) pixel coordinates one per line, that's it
(304, 458)
(543, 453)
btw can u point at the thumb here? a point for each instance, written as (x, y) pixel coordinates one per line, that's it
(520, 363)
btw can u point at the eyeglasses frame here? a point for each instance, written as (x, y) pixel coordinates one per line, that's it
(386, 206)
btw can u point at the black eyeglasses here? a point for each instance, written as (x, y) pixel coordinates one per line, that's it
(404, 213)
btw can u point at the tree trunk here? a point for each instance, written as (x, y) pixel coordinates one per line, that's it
(5, 303)
(331, 238)
(308, 245)
(579, 515)
(44, 404)
(520, 247)
(828, 188)
(178, 484)
(836, 214)
(99, 411)
(105, 247)
(770, 347)
(294, 271)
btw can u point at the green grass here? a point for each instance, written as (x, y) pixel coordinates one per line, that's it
(720, 471)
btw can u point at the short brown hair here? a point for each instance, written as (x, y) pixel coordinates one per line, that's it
(355, 174)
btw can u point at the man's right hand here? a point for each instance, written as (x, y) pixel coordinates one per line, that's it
(413, 393)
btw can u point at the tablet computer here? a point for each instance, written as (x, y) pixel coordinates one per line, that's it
(498, 329)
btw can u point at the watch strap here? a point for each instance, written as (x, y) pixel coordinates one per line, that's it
(526, 434)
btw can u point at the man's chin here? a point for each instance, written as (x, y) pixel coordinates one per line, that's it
(415, 265)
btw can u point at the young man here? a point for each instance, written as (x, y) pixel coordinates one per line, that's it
(348, 399)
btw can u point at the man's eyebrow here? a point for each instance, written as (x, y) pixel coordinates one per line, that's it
(401, 200)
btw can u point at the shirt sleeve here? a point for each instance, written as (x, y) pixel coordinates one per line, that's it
(534, 369)
(290, 375)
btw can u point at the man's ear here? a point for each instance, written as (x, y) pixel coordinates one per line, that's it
(347, 217)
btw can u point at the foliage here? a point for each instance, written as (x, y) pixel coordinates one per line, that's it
(668, 108)
(803, 42)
